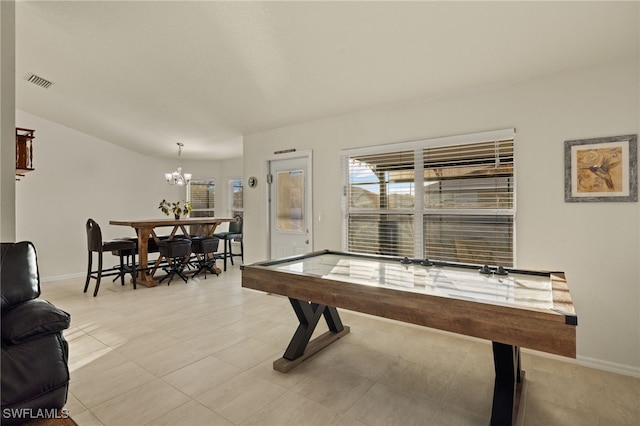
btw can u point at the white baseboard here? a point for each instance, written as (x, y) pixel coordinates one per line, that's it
(612, 367)
(598, 364)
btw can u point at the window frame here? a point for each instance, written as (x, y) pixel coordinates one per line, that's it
(202, 180)
(419, 210)
(231, 185)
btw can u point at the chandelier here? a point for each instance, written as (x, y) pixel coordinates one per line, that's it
(177, 178)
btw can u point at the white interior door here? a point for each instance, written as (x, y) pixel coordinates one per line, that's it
(290, 213)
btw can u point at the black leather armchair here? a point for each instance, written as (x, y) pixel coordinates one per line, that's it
(35, 375)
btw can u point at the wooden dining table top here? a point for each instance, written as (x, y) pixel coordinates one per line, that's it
(145, 223)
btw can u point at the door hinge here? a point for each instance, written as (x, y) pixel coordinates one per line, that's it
(269, 178)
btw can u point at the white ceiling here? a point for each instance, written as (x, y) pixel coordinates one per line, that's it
(148, 74)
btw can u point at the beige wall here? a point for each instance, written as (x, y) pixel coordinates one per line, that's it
(7, 120)
(77, 177)
(596, 244)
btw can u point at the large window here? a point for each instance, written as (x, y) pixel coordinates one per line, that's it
(447, 199)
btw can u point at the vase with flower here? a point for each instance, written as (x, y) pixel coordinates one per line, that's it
(178, 208)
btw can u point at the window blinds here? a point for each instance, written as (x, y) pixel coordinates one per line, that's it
(471, 176)
(202, 197)
(451, 202)
(381, 203)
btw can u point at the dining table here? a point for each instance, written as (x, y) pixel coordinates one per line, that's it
(146, 228)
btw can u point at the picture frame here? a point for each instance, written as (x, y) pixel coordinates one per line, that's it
(601, 169)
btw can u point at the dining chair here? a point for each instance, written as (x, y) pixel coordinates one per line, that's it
(152, 247)
(234, 234)
(177, 253)
(121, 248)
(204, 249)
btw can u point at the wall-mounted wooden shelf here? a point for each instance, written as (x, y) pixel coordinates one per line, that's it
(24, 151)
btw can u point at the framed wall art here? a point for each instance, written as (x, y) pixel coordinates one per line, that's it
(601, 169)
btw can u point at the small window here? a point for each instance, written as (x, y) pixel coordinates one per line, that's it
(202, 197)
(236, 191)
(201, 193)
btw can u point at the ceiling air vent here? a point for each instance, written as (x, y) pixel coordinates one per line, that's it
(32, 78)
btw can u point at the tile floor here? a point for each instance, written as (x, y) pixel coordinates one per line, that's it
(201, 353)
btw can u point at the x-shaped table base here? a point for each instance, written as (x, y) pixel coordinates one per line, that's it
(301, 346)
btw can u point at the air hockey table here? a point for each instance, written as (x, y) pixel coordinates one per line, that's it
(512, 308)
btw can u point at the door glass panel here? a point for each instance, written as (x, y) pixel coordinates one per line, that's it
(290, 200)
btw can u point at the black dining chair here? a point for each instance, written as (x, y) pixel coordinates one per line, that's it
(204, 249)
(234, 234)
(121, 248)
(177, 253)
